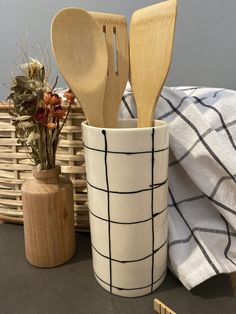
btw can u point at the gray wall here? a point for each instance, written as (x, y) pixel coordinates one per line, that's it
(205, 42)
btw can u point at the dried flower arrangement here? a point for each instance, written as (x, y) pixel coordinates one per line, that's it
(38, 114)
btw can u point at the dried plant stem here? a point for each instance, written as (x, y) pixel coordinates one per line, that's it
(55, 84)
(52, 152)
(28, 153)
(36, 151)
(67, 114)
(45, 146)
(40, 150)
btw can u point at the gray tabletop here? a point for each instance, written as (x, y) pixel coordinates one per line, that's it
(72, 288)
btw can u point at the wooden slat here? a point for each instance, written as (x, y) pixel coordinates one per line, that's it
(5, 116)
(12, 213)
(82, 209)
(11, 167)
(80, 198)
(76, 115)
(72, 169)
(79, 183)
(3, 129)
(11, 181)
(6, 156)
(11, 219)
(10, 202)
(78, 157)
(12, 155)
(9, 141)
(71, 129)
(66, 143)
(5, 192)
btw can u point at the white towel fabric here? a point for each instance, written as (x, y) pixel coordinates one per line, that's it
(202, 179)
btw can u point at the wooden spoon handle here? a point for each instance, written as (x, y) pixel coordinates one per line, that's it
(151, 41)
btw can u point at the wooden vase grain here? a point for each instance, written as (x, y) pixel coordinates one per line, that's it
(48, 218)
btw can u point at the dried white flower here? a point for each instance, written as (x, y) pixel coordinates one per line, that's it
(33, 68)
(33, 137)
(21, 118)
(32, 63)
(27, 124)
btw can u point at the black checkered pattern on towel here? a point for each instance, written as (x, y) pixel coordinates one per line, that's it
(202, 179)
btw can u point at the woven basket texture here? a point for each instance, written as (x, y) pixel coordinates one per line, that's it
(15, 167)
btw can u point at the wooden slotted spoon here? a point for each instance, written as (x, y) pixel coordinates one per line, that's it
(114, 27)
(80, 51)
(151, 43)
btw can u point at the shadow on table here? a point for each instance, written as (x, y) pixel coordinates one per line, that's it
(83, 248)
(217, 286)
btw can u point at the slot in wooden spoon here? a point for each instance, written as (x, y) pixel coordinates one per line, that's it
(80, 51)
(151, 43)
(114, 27)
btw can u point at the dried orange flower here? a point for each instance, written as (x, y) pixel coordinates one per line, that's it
(47, 98)
(51, 125)
(55, 100)
(69, 96)
(58, 112)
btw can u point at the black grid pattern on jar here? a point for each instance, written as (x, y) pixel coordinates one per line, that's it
(153, 215)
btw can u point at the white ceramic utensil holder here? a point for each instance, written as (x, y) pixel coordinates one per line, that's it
(127, 171)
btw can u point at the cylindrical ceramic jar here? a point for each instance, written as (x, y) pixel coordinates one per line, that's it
(127, 171)
(48, 218)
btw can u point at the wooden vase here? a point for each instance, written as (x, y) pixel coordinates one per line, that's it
(48, 218)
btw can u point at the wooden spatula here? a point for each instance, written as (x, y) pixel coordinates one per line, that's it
(114, 27)
(80, 50)
(151, 41)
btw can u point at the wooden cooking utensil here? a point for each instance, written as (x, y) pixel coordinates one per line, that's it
(151, 42)
(80, 50)
(115, 29)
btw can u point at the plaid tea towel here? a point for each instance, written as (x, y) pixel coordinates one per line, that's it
(202, 179)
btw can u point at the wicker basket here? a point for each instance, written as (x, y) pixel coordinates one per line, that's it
(15, 168)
